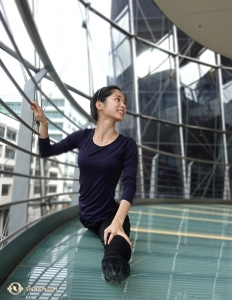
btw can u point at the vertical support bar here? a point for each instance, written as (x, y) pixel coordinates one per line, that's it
(19, 212)
(76, 187)
(188, 180)
(1, 224)
(136, 96)
(39, 99)
(185, 193)
(85, 25)
(154, 177)
(226, 191)
(1, 176)
(20, 190)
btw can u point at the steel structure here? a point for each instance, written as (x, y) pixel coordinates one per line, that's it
(179, 100)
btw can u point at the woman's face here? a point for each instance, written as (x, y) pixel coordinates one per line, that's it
(115, 106)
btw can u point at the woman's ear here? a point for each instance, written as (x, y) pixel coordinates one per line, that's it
(99, 105)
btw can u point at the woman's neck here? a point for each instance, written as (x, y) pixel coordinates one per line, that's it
(104, 134)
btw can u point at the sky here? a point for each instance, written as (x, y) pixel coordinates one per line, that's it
(60, 27)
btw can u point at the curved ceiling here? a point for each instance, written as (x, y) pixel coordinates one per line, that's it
(208, 22)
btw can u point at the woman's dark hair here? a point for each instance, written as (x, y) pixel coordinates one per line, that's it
(101, 95)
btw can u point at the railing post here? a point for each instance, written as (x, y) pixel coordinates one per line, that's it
(188, 180)
(136, 97)
(226, 190)
(154, 177)
(183, 161)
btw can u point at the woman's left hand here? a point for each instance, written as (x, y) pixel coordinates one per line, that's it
(115, 228)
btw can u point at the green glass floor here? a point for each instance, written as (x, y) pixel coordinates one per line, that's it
(179, 252)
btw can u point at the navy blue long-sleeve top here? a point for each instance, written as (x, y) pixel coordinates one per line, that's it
(100, 170)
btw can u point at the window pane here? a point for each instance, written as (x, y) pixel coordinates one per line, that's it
(57, 102)
(5, 189)
(52, 127)
(36, 189)
(57, 137)
(11, 135)
(52, 189)
(53, 175)
(8, 169)
(10, 153)
(2, 131)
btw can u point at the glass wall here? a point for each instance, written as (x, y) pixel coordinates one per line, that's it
(178, 94)
(184, 115)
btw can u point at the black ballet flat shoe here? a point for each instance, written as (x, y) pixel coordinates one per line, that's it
(115, 270)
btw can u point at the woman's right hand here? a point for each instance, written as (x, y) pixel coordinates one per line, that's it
(38, 112)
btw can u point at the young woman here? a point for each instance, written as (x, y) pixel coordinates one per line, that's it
(104, 155)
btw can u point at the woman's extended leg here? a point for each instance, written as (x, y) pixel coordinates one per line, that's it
(117, 253)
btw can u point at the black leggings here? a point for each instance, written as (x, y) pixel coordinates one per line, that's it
(118, 247)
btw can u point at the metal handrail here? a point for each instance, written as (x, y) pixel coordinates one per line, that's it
(176, 124)
(27, 18)
(58, 127)
(36, 177)
(5, 239)
(21, 59)
(36, 70)
(17, 117)
(184, 157)
(143, 116)
(138, 38)
(113, 23)
(158, 201)
(26, 97)
(14, 54)
(35, 154)
(35, 199)
(14, 81)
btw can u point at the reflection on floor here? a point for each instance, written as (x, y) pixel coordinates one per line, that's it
(179, 252)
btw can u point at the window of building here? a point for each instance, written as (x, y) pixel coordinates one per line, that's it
(53, 114)
(8, 169)
(53, 175)
(56, 137)
(2, 131)
(52, 127)
(9, 153)
(37, 172)
(52, 189)
(57, 102)
(5, 189)
(36, 189)
(15, 106)
(54, 164)
(11, 135)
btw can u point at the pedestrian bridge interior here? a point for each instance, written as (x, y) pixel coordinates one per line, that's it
(179, 112)
(179, 252)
